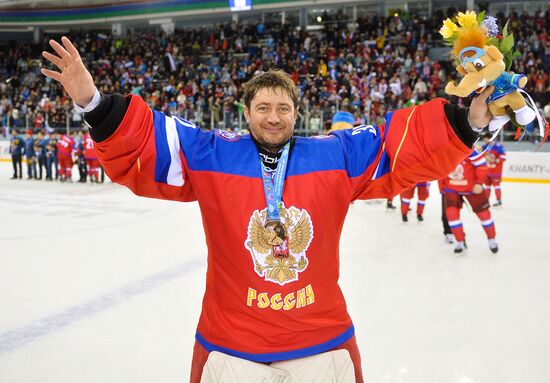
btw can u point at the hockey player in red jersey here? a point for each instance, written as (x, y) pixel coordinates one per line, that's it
(495, 155)
(466, 182)
(91, 158)
(423, 192)
(65, 149)
(272, 290)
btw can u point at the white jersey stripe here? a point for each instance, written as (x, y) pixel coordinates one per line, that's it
(175, 172)
(479, 162)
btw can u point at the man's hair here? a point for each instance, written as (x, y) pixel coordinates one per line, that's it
(272, 79)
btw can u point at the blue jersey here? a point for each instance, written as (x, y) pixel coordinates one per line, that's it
(504, 84)
(40, 147)
(29, 147)
(17, 145)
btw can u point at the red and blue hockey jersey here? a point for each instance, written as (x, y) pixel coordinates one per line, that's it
(495, 156)
(471, 171)
(89, 152)
(272, 288)
(65, 146)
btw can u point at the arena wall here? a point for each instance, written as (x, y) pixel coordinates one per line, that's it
(527, 167)
(519, 167)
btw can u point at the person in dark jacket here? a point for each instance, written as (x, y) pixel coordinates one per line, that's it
(51, 157)
(40, 148)
(81, 160)
(17, 148)
(30, 155)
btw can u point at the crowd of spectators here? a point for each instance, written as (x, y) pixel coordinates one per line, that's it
(380, 64)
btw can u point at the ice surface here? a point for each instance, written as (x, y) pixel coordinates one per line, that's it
(98, 285)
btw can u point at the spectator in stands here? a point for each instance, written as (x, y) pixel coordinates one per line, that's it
(383, 62)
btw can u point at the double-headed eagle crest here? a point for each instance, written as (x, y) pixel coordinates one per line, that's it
(278, 248)
(457, 176)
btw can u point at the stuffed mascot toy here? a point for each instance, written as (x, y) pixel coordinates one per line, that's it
(483, 58)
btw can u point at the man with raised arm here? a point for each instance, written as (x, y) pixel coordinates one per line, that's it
(272, 291)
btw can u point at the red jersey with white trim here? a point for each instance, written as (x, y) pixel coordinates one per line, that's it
(89, 152)
(272, 288)
(495, 156)
(65, 146)
(471, 171)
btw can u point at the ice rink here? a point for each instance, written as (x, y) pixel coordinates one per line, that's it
(98, 285)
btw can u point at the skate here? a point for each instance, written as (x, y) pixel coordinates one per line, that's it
(460, 247)
(420, 218)
(493, 245)
(404, 218)
(390, 206)
(449, 238)
(498, 203)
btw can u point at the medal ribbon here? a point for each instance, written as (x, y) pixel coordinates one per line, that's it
(273, 188)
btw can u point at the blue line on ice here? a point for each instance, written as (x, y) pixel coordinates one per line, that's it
(13, 339)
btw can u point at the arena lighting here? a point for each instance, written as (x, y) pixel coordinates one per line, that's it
(16, 29)
(319, 19)
(240, 5)
(313, 28)
(57, 30)
(160, 21)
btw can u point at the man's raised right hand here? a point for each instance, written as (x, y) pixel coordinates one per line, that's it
(74, 76)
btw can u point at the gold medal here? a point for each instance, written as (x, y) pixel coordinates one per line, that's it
(277, 231)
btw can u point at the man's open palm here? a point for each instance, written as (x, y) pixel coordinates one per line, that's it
(74, 76)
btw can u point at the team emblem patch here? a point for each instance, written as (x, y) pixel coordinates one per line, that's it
(228, 136)
(457, 176)
(278, 248)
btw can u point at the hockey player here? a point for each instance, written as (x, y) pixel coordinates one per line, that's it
(341, 120)
(423, 192)
(65, 149)
(495, 156)
(91, 158)
(272, 292)
(449, 237)
(466, 182)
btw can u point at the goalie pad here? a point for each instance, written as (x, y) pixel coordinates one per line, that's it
(329, 367)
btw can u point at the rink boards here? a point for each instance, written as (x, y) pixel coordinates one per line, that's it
(532, 167)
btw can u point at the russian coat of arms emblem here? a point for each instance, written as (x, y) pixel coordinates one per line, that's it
(278, 248)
